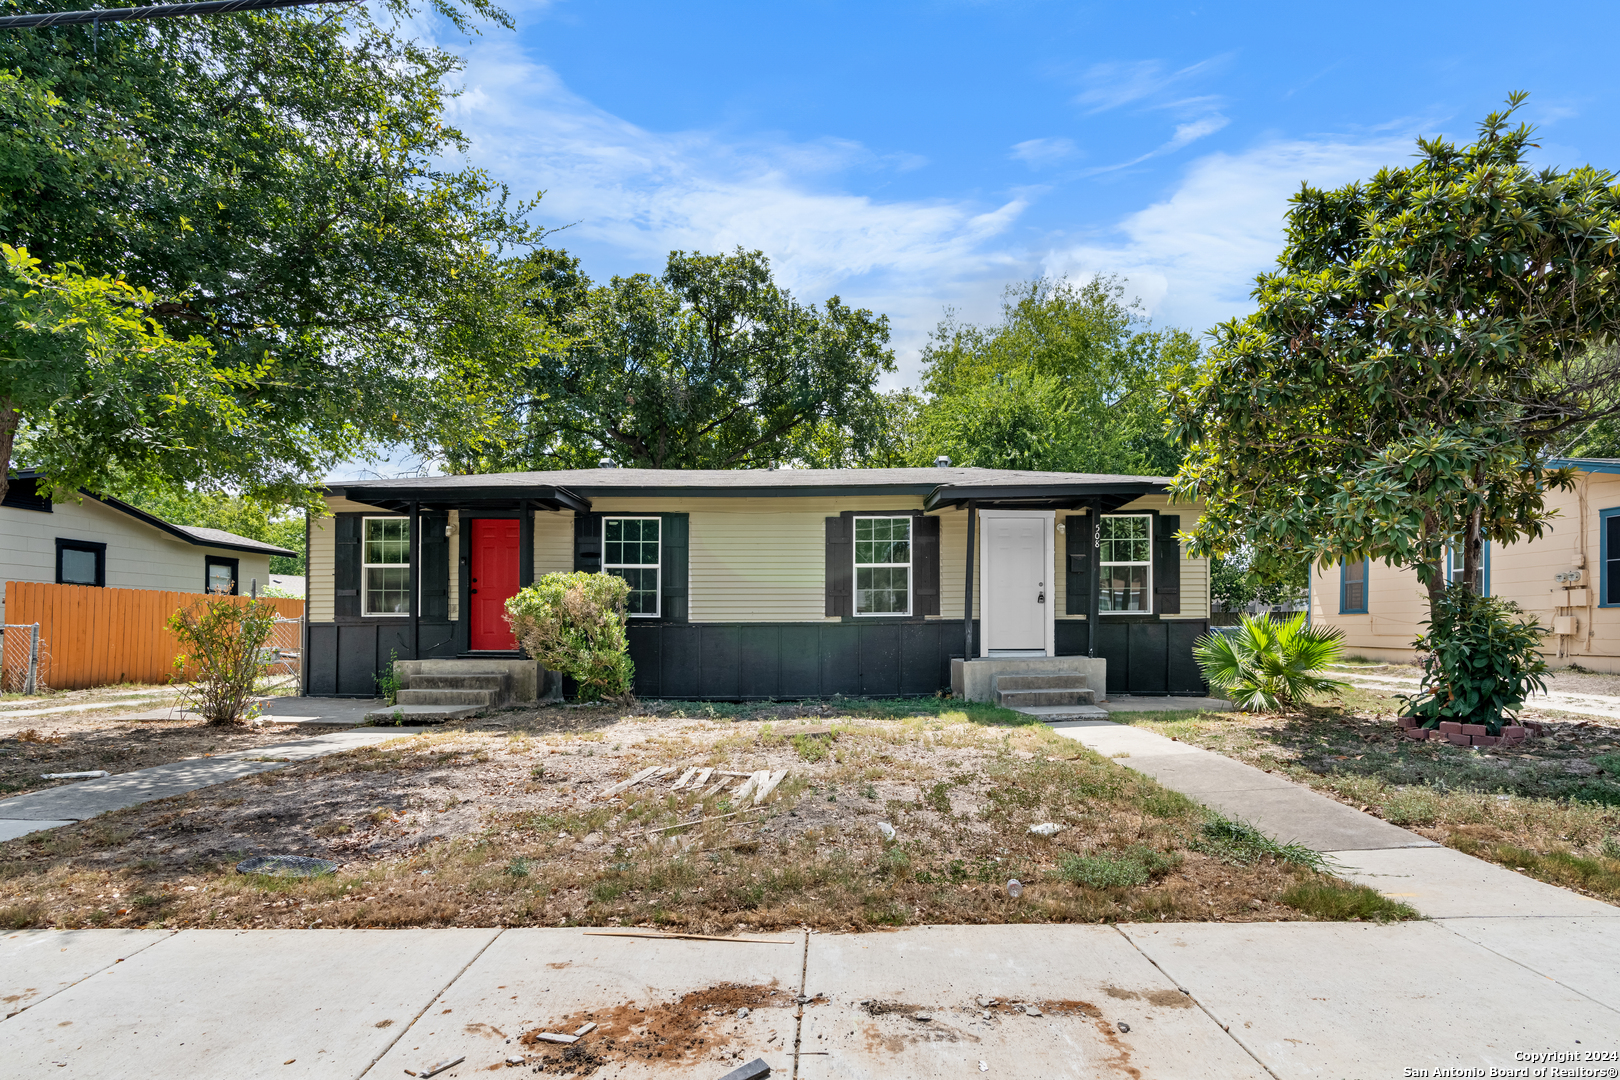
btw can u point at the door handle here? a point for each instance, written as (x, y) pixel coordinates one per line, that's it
(1040, 597)
(472, 590)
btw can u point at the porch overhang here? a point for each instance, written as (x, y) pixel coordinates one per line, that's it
(399, 498)
(1110, 495)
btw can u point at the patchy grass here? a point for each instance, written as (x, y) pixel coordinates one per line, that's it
(1555, 796)
(1341, 902)
(504, 824)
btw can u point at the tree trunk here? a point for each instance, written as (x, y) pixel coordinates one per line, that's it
(1471, 552)
(10, 417)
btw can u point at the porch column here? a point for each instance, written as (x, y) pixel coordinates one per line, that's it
(416, 579)
(1094, 556)
(525, 544)
(967, 589)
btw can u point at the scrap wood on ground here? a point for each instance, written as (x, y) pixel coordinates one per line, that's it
(504, 823)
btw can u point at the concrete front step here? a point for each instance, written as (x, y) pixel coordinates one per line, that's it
(481, 699)
(1013, 699)
(1057, 714)
(1063, 681)
(494, 682)
(413, 714)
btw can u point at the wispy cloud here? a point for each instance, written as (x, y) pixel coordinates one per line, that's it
(1129, 82)
(1039, 153)
(1192, 257)
(1184, 135)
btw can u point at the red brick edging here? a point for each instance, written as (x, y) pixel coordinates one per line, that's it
(1457, 734)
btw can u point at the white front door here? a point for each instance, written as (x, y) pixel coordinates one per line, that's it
(1017, 600)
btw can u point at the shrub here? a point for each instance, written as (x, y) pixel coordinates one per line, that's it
(1481, 658)
(222, 641)
(1269, 663)
(575, 624)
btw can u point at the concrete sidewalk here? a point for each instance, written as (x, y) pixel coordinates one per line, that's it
(1255, 1000)
(37, 810)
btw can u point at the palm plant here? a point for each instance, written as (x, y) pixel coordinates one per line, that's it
(1270, 663)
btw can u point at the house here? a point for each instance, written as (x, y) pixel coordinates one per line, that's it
(769, 583)
(101, 541)
(1569, 579)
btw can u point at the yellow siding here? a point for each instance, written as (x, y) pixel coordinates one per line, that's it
(953, 564)
(454, 540)
(319, 588)
(760, 559)
(553, 542)
(1521, 572)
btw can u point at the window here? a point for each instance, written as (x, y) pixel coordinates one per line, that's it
(630, 551)
(81, 562)
(1609, 558)
(883, 566)
(1482, 572)
(1125, 545)
(220, 576)
(387, 566)
(1353, 588)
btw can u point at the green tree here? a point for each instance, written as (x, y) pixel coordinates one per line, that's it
(712, 365)
(1071, 379)
(1424, 343)
(285, 183)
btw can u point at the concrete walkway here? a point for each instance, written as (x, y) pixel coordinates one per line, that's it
(38, 810)
(1217, 1001)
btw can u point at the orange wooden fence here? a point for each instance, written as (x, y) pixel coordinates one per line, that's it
(99, 637)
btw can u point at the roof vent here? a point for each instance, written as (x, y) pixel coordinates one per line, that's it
(606, 463)
(942, 462)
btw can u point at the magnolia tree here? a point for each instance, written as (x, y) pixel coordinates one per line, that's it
(1425, 342)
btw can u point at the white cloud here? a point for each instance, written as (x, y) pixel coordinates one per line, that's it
(1125, 82)
(1192, 257)
(1038, 153)
(641, 194)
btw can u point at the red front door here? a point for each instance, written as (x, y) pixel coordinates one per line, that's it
(494, 581)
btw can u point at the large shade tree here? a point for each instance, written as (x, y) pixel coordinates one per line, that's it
(284, 185)
(710, 365)
(1427, 338)
(1072, 378)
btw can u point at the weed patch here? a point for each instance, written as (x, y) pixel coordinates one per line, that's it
(1325, 898)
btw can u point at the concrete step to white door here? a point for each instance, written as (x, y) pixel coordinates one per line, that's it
(1059, 681)
(1013, 699)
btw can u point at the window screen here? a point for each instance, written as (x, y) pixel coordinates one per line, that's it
(1353, 588)
(630, 549)
(1125, 547)
(883, 566)
(387, 566)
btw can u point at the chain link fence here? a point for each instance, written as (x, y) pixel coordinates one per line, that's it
(283, 655)
(23, 655)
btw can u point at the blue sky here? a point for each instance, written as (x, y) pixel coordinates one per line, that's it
(916, 156)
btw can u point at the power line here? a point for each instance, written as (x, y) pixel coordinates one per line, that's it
(155, 11)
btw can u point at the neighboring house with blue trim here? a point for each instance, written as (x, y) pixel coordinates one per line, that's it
(1569, 580)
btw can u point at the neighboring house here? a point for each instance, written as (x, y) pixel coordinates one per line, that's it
(768, 584)
(1569, 580)
(100, 541)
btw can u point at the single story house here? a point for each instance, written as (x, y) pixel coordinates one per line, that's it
(1569, 579)
(100, 541)
(755, 584)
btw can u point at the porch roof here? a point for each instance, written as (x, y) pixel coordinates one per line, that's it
(573, 489)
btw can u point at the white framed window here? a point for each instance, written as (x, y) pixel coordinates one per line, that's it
(630, 549)
(1125, 556)
(1482, 577)
(883, 566)
(386, 566)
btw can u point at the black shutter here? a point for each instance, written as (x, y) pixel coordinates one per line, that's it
(674, 555)
(925, 564)
(435, 566)
(588, 542)
(1166, 565)
(1077, 564)
(840, 566)
(346, 566)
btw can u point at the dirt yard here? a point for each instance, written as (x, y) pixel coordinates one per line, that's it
(117, 745)
(1549, 807)
(506, 823)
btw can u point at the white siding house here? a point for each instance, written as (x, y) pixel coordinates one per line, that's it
(101, 541)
